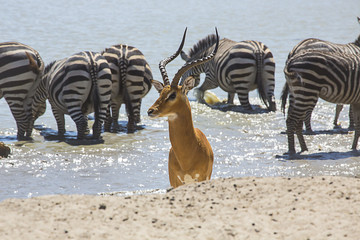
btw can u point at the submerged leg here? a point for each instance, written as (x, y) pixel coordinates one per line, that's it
(60, 121)
(301, 136)
(356, 111)
(351, 118)
(338, 109)
(308, 129)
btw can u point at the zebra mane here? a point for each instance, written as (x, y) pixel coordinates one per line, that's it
(49, 66)
(202, 45)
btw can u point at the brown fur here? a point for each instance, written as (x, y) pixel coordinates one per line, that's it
(33, 64)
(191, 156)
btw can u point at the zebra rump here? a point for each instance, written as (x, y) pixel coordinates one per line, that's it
(332, 76)
(238, 67)
(21, 68)
(321, 45)
(78, 85)
(131, 78)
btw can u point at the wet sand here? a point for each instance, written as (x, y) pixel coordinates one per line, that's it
(237, 208)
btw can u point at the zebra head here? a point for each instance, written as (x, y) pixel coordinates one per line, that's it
(171, 93)
(200, 49)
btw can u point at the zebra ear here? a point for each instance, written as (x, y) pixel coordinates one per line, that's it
(184, 56)
(358, 19)
(159, 86)
(188, 85)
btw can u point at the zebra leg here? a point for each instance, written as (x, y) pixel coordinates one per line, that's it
(108, 120)
(244, 100)
(356, 111)
(338, 109)
(137, 117)
(200, 91)
(87, 130)
(290, 131)
(199, 94)
(308, 129)
(22, 126)
(60, 121)
(130, 110)
(96, 129)
(231, 98)
(300, 136)
(115, 109)
(351, 119)
(81, 126)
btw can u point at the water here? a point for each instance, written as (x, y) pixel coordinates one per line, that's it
(243, 144)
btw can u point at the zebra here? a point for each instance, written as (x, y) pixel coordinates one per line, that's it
(321, 45)
(21, 68)
(238, 67)
(77, 85)
(131, 78)
(332, 76)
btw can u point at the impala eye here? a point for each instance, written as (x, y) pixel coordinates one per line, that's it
(172, 96)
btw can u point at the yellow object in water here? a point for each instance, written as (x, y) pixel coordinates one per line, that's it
(210, 98)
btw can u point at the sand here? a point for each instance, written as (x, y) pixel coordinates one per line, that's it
(236, 208)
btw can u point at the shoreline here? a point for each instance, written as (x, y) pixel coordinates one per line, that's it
(321, 207)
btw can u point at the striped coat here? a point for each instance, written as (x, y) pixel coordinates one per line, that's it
(332, 76)
(238, 67)
(131, 78)
(326, 46)
(21, 68)
(77, 85)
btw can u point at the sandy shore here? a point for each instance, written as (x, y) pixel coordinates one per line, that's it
(237, 208)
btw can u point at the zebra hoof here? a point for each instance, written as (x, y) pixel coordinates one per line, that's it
(24, 138)
(131, 130)
(355, 152)
(309, 132)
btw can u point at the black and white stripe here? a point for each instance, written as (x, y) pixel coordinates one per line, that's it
(21, 68)
(332, 76)
(326, 46)
(77, 85)
(131, 78)
(238, 67)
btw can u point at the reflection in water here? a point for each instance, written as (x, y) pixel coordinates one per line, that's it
(243, 144)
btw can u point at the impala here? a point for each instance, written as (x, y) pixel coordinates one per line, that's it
(191, 157)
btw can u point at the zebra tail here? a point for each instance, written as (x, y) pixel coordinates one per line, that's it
(33, 65)
(284, 96)
(95, 91)
(286, 89)
(259, 78)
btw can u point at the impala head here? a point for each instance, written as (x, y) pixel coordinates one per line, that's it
(172, 96)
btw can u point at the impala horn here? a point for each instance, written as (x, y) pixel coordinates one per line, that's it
(194, 63)
(164, 62)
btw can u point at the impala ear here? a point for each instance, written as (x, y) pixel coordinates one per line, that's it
(188, 84)
(159, 86)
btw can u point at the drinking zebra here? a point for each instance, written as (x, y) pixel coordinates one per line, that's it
(238, 67)
(320, 45)
(21, 68)
(332, 76)
(77, 85)
(131, 78)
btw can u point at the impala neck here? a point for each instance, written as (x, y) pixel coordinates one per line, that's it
(182, 132)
